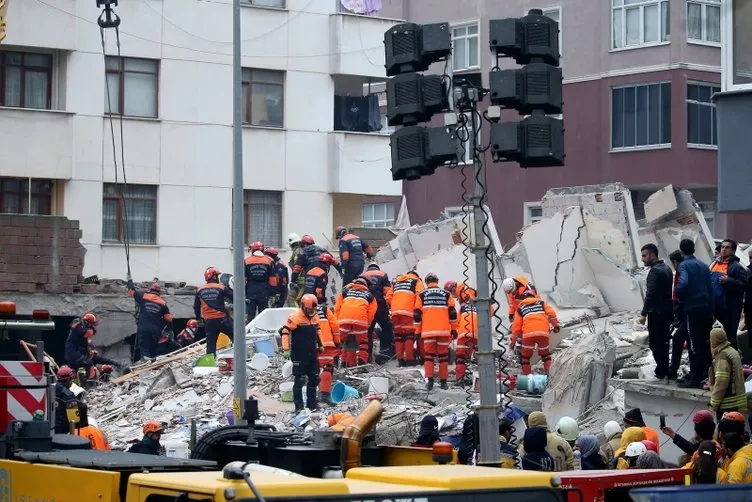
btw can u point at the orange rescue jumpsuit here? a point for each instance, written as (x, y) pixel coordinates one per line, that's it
(467, 340)
(515, 297)
(404, 291)
(531, 322)
(330, 340)
(435, 319)
(355, 309)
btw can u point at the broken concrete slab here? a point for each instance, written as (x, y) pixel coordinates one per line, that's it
(610, 239)
(660, 205)
(620, 289)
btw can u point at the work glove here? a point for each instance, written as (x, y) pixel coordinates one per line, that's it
(454, 334)
(106, 368)
(321, 349)
(512, 342)
(286, 353)
(93, 354)
(511, 317)
(557, 329)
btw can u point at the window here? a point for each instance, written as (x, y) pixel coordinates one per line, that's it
(738, 62)
(25, 196)
(279, 4)
(641, 115)
(133, 87)
(702, 128)
(137, 206)
(555, 14)
(532, 212)
(465, 47)
(639, 22)
(263, 217)
(704, 21)
(263, 92)
(26, 80)
(378, 215)
(454, 211)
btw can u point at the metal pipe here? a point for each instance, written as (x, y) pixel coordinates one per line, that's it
(352, 438)
(238, 342)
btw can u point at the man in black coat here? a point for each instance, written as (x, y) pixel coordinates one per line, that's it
(729, 285)
(658, 308)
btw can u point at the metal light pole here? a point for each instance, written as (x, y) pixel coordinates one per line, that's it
(238, 244)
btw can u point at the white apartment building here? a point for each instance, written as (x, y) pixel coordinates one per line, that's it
(172, 87)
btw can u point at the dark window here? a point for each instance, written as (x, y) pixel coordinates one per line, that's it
(279, 4)
(702, 128)
(641, 115)
(138, 205)
(133, 86)
(263, 96)
(25, 196)
(26, 80)
(263, 217)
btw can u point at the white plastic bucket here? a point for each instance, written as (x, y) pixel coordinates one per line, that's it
(259, 361)
(378, 385)
(287, 370)
(285, 388)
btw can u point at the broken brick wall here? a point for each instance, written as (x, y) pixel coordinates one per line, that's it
(40, 254)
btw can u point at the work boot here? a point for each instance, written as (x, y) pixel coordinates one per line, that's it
(443, 384)
(429, 385)
(326, 398)
(401, 363)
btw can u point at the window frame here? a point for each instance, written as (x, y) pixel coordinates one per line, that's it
(251, 3)
(550, 8)
(24, 69)
(120, 72)
(120, 200)
(465, 24)
(641, 5)
(714, 117)
(47, 199)
(247, 193)
(659, 146)
(247, 90)
(727, 51)
(704, 4)
(527, 218)
(386, 204)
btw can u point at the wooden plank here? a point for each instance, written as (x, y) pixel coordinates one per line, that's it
(191, 349)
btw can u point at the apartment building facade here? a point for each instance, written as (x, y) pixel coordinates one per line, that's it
(638, 75)
(310, 162)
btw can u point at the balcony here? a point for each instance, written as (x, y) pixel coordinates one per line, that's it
(357, 43)
(361, 164)
(34, 24)
(36, 143)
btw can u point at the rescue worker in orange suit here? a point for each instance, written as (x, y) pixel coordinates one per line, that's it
(317, 278)
(353, 252)
(381, 289)
(531, 322)
(515, 288)
(279, 295)
(355, 309)
(467, 339)
(404, 290)
(308, 257)
(330, 340)
(260, 280)
(209, 305)
(78, 353)
(154, 318)
(149, 444)
(301, 342)
(63, 397)
(435, 319)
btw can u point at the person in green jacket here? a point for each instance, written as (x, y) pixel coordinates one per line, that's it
(726, 376)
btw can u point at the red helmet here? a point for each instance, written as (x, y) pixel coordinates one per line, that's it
(431, 277)
(211, 273)
(327, 259)
(155, 288)
(256, 246)
(649, 445)
(89, 319)
(192, 323)
(450, 286)
(152, 426)
(65, 373)
(340, 232)
(733, 415)
(702, 416)
(306, 240)
(309, 301)
(271, 252)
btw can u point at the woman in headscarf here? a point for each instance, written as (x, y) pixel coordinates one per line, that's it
(630, 435)
(649, 460)
(590, 455)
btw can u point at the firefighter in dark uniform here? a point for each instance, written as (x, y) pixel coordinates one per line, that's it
(317, 278)
(301, 342)
(78, 353)
(260, 280)
(209, 305)
(154, 317)
(381, 288)
(308, 257)
(279, 293)
(63, 397)
(353, 252)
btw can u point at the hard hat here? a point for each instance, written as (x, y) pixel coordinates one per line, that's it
(340, 232)
(450, 286)
(733, 415)
(256, 246)
(309, 301)
(508, 285)
(635, 449)
(360, 280)
(611, 429)
(373, 266)
(152, 426)
(431, 277)
(465, 293)
(65, 373)
(702, 416)
(155, 288)
(649, 445)
(568, 429)
(326, 258)
(192, 323)
(271, 251)
(307, 240)
(293, 238)
(89, 319)
(211, 273)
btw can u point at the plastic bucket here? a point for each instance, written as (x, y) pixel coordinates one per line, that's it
(342, 392)
(532, 384)
(378, 385)
(264, 345)
(287, 370)
(259, 361)
(285, 388)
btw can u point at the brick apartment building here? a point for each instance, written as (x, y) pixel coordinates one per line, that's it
(638, 75)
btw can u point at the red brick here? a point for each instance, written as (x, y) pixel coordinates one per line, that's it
(88, 289)
(65, 289)
(74, 224)
(25, 287)
(43, 222)
(9, 240)
(6, 286)
(71, 270)
(68, 280)
(39, 278)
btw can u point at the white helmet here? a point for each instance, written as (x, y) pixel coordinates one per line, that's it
(568, 429)
(635, 449)
(611, 429)
(508, 285)
(293, 238)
